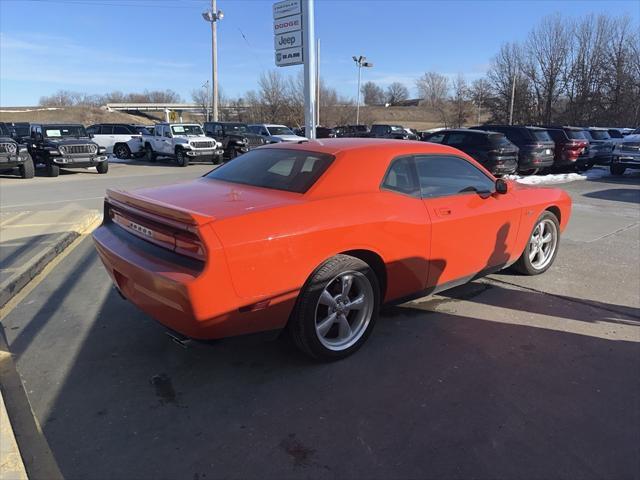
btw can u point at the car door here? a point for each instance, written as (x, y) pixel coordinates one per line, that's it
(473, 228)
(121, 134)
(167, 142)
(106, 138)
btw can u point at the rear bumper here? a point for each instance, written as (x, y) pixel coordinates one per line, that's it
(182, 294)
(502, 166)
(530, 161)
(627, 160)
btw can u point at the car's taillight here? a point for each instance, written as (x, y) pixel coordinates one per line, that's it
(190, 245)
(169, 237)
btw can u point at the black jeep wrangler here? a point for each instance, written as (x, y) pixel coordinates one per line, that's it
(236, 138)
(65, 146)
(13, 155)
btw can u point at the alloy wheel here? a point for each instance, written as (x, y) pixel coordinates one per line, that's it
(344, 310)
(543, 243)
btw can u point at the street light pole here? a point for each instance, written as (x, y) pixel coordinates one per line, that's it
(513, 94)
(360, 62)
(212, 17)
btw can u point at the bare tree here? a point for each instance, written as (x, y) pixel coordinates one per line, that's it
(372, 94)
(434, 88)
(396, 93)
(460, 101)
(480, 93)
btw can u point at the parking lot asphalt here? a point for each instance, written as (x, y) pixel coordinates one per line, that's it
(507, 377)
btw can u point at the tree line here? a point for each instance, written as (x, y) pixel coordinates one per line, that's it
(580, 72)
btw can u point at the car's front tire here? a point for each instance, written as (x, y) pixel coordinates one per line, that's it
(102, 167)
(27, 169)
(336, 309)
(121, 151)
(542, 247)
(617, 170)
(53, 170)
(149, 154)
(181, 158)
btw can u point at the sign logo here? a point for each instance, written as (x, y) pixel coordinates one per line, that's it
(289, 56)
(287, 24)
(287, 40)
(286, 8)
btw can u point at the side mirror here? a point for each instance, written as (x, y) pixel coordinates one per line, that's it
(502, 186)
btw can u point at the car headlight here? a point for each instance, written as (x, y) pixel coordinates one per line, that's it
(101, 149)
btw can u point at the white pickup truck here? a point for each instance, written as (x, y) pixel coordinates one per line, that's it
(182, 141)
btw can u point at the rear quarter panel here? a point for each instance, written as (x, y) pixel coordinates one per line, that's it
(275, 251)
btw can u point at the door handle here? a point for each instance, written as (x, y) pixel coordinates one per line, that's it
(443, 212)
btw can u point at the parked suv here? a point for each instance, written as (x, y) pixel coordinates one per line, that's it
(182, 141)
(13, 155)
(601, 144)
(391, 131)
(351, 131)
(121, 139)
(275, 133)
(626, 154)
(572, 148)
(65, 146)
(491, 149)
(535, 144)
(236, 138)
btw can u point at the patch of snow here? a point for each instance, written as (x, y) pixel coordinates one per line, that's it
(46, 109)
(554, 178)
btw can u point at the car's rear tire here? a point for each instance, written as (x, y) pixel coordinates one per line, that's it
(103, 167)
(53, 170)
(149, 154)
(617, 170)
(336, 309)
(540, 252)
(121, 151)
(27, 168)
(181, 158)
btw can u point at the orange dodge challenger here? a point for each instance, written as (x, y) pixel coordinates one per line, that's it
(313, 236)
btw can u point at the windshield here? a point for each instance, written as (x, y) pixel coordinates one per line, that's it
(231, 128)
(541, 135)
(141, 130)
(21, 130)
(60, 131)
(279, 130)
(186, 130)
(4, 130)
(599, 134)
(289, 170)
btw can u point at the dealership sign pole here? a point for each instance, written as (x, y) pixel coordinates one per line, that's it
(294, 42)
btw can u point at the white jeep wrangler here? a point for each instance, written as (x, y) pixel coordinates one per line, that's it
(182, 141)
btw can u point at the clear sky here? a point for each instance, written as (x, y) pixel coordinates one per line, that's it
(96, 46)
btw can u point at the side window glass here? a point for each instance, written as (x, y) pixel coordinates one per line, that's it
(456, 138)
(401, 177)
(446, 175)
(217, 130)
(437, 138)
(158, 131)
(92, 130)
(120, 130)
(106, 130)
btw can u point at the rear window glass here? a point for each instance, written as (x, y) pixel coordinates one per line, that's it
(541, 135)
(575, 134)
(290, 170)
(615, 134)
(499, 140)
(599, 135)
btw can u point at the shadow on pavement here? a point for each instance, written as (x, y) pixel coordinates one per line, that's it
(431, 394)
(629, 195)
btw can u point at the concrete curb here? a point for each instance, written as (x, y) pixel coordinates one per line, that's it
(11, 466)
(10, 287)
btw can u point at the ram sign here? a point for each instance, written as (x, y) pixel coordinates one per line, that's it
(289, 56)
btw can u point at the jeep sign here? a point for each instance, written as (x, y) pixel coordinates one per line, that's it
(286, 8)
(287, 24)
(289, 56)
(288, 40)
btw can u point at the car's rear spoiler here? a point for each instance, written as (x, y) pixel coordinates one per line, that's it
(155, 208)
